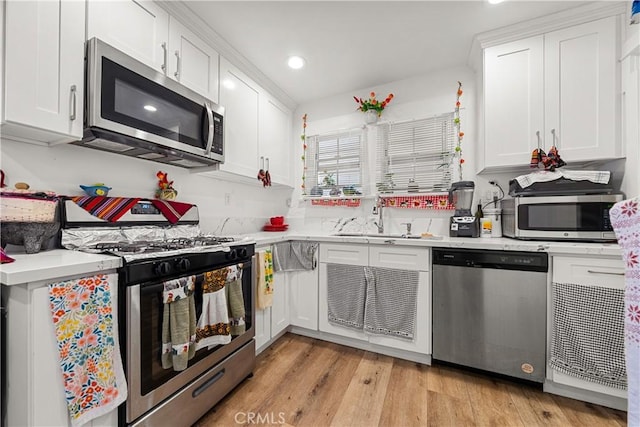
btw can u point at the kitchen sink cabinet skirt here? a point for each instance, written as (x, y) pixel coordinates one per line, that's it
(625, 218)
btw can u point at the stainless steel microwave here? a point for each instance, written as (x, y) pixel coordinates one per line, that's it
(578, 217)
(132, 109)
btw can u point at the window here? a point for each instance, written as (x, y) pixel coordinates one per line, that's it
(415, 155)
(334, 163)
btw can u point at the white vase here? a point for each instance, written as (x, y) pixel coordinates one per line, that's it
(370, 117)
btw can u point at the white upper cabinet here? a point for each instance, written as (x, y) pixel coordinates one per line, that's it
(138, 28)
(514, 107)
(239, 95)
(257, 129)
(192, 62)
(43, 71)
(556, 89)
(275, 139)
(581, 87)
(146, 32)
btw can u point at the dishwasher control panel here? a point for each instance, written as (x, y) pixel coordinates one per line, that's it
(508, 260)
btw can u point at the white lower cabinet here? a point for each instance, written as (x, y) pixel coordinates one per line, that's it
(598, 286)
(272, 321)
(303, 299)
(384, 256)
(34, 391)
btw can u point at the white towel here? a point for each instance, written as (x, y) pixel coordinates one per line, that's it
(213, 325)
(597, 177)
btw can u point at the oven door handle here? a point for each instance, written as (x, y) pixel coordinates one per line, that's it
(208, 383)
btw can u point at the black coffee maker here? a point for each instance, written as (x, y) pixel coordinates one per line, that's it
(463, 223)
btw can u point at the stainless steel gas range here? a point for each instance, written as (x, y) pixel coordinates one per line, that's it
(155, 253)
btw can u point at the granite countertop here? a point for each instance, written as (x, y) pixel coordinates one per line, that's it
(494, 243)
(57, 263)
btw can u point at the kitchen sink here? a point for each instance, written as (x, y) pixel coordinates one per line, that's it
(380, 235)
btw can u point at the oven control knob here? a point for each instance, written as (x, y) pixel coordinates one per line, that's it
(242, 253)
(232, 254)
(163, 268)
(183, 264)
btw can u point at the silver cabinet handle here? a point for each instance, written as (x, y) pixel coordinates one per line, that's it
(210, 128)
(613, 273)
(72, 114)
(178, 65)
(262, 162)
(266, 163)
(538, 136)
(553, 140)
(164, 57)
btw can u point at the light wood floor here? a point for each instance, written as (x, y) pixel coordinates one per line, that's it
(300, 381)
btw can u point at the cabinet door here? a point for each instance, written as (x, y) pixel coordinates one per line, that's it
(138, 28)
(303, 299)
(513, 97)
(239, 96)
(192, 62)
(581, 84)
(275, 139)
(280, 307)
(263, 328)
(44, 67)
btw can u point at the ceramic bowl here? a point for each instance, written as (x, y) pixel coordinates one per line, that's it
(95, 190)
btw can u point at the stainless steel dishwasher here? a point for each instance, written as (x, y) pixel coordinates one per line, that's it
(489, 310)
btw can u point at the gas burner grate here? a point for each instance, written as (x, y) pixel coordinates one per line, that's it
(211, 240)
(130, 247)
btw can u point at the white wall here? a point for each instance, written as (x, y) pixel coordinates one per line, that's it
(63, 168)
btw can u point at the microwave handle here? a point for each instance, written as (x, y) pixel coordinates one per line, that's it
(210, 127)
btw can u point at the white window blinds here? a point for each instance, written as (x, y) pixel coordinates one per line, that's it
(415, 155)
(334, 161)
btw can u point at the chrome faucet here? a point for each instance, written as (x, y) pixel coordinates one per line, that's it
(379, 223)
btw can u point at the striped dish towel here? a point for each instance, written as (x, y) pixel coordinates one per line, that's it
(107, 208)
(85, 321)
(172, 211)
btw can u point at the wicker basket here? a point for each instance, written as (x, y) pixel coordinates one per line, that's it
(18, 208)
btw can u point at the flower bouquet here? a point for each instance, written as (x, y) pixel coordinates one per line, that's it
(373, 104)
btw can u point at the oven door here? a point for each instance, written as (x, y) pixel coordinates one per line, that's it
(148, 382)
(129, 98)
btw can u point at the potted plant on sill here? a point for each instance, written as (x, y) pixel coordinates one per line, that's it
(329, 182)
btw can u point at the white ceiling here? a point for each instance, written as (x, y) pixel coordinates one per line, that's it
(351, 45)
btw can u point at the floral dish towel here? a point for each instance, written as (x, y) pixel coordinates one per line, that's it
(85, 322)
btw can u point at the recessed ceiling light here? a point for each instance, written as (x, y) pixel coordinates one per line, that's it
(495, 1)
(296, 62)
(150, 108)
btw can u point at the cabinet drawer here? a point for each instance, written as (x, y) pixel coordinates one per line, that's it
(402, 258)
(607, 272)
(344, 254)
